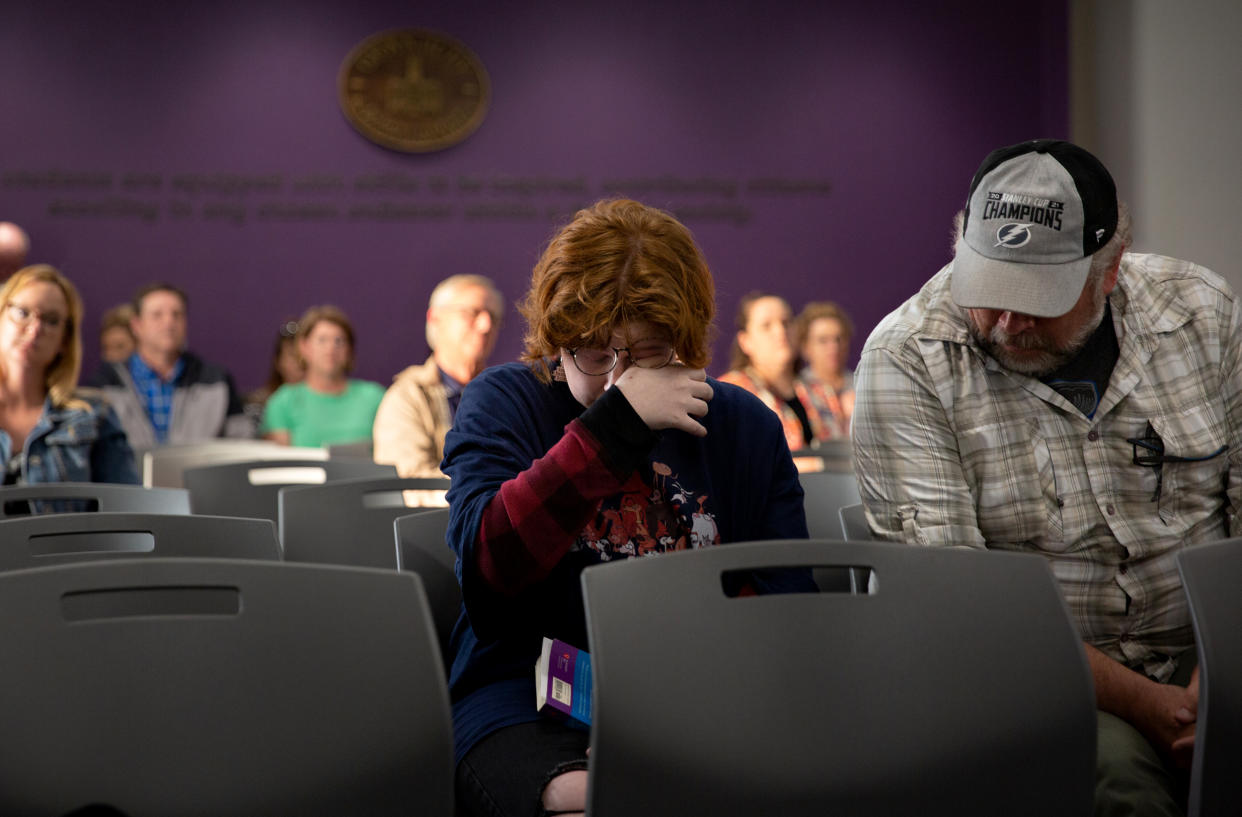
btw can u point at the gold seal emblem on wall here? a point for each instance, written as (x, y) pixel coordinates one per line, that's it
(414, 90)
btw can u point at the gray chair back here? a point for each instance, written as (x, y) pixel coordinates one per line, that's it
(933, 695)
(185, 687)
(854, 525)
(1212, 575)
(357, 448)
(826, 493)
(165, 465)
(83, 497)
(422, 549)
(833, 455)
(37, 541)
(348, 522)
(252, 488)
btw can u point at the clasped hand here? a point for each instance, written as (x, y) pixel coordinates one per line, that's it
(1167, 718)
(668, 397)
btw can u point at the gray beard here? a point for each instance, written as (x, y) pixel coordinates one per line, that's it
(1050, 358)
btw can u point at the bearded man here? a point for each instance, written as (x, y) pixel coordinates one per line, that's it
(1048, 391)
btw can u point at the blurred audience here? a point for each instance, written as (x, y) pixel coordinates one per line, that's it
(116, 339)
(822, 335)
(50, 431)
(163, 393)
(463, 321)
(14, 247)
(763, 362)
(285, 367)
(327, 406)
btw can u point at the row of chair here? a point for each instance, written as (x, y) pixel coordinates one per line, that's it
(761, 651)
(187, 686)
(233, 684)
(246, 478)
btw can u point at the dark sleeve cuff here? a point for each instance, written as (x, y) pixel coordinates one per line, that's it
(624, 438)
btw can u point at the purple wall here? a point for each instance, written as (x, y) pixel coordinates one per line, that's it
(892, 104)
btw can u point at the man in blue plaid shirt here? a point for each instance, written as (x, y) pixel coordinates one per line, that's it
(163, 393)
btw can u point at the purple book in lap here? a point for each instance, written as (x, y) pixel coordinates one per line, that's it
(563, 681)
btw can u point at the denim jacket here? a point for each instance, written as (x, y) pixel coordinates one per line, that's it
(75, 445)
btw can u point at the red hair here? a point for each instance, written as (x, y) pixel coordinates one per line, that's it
(618, 262)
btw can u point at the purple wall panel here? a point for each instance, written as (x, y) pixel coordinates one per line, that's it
(892, 103)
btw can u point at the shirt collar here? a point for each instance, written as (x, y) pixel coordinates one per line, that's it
(139, 369)
(451, 386)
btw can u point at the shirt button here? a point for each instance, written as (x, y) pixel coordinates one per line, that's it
(1111, 510)
(1093, 435)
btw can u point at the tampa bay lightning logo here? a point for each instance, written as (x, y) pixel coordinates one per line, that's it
(1013, 235)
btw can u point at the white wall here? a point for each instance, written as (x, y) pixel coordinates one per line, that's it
(1157, 95)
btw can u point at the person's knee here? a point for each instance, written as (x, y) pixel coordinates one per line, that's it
(1131, 778)
(566, 792)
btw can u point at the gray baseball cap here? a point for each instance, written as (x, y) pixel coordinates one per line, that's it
(1036, 213)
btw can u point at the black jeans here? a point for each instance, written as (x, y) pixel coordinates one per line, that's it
(505, 773)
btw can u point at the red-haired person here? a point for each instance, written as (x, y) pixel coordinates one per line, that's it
(763, 360)
(607, 441)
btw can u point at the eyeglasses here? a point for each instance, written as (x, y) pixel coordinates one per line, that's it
(470, 313)
(22, 316)
(595, 362)
(289, 329)
(1149, 453)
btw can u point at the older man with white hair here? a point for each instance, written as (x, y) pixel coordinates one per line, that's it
(463, 320)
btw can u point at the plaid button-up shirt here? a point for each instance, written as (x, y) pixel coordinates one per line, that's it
(155, 393)
(952, 449)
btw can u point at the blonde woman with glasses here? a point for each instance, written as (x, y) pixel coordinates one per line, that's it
(50, 431)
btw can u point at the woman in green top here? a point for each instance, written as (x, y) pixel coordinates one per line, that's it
(327, 406)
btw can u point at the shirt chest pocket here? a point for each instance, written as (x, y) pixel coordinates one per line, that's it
(1196, 462)
(69, 447)
(1008, 467)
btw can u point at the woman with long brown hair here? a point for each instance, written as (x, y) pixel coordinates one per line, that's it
(763, 363)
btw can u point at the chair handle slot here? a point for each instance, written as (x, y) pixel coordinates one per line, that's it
(22, 507)
(799, 579)
(157, 602)
(87, 541)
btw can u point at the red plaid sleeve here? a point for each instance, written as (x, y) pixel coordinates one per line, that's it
(531, 523)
